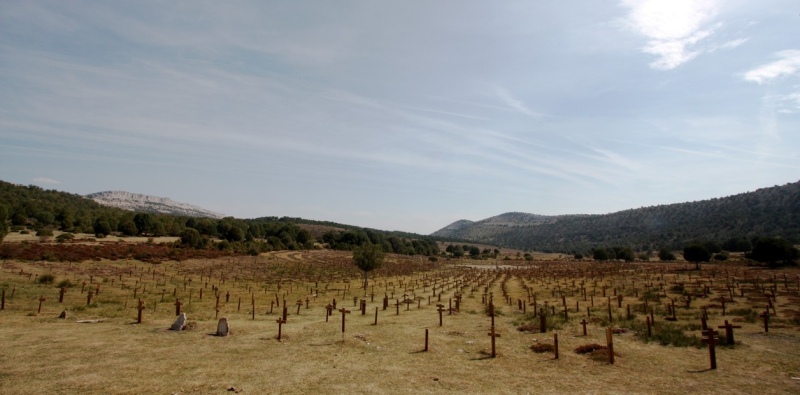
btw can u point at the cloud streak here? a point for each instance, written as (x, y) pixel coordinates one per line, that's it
(788, 64)
(674, 28)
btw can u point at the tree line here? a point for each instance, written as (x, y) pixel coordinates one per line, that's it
(32, 207)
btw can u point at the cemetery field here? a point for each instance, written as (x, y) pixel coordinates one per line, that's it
(101, 347)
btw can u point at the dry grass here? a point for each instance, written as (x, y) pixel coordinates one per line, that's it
(43, 354)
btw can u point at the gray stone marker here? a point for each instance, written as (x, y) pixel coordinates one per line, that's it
(222, 327)
(179, 323)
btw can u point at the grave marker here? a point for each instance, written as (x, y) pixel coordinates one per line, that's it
(494, 335)
(344, 311)
(178, 324)
(280, 322)
(711, 340)
(140, 308)
(222, 327)
(729, 332)
(765, 315)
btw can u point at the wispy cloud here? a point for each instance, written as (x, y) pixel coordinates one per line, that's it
(674, 28)
(514, 103)
(46, 181)
(789, 63)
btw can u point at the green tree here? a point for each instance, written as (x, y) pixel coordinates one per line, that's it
(102, 229)
(3, 221)
(128, 228)
(45, 218)
(696, 253)
(458, 251)
(191, 237)
(624, 253)
(600, 254)
(666, 255)
(474, 251)
(773, 251)
(368, 258)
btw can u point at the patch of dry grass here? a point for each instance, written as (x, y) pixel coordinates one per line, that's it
(43, 354)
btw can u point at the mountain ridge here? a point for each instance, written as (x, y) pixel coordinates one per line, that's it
(772, 211)
(150, 204)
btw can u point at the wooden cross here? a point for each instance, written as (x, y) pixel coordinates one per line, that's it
(765, 315)
(729, 332)
(140, 308)
(280, 322)
(583, 323)
(555, 344)
(344, 311)
(3, 300)
(397, 305)
(89, 298)
(41, 300)
(177, 307)
(299, 304)
(440, 309)
(543, 321)
(610, 345)
(494, 335)
(329, 310)
(61, 293)
(711, 340)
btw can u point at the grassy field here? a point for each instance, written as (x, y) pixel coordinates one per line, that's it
(113, 354)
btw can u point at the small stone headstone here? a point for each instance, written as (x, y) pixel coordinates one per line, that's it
(222, 327)
(63, 315)
(179, 323)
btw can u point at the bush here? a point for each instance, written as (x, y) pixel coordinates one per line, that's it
(666, 255)
(665, 334)
(46, 279)
(65, 237)
(65, 284)
(44, 232)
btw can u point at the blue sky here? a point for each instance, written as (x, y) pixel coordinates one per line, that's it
(403, 115)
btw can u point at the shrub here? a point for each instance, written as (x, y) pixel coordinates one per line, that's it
(46, 279)
(65, 237)
(585, 349)
(65, 284)
(540, 348)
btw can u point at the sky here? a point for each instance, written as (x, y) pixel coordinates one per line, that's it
(402, 115)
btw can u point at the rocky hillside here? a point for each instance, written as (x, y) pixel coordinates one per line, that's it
(150, 204)
(773, 212)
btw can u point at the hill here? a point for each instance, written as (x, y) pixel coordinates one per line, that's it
(150, 204)
(773, 212)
